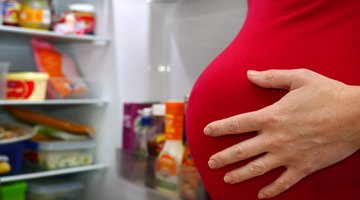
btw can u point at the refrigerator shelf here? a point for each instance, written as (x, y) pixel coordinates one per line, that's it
(54, 36)
(53, 173)
(98, 102)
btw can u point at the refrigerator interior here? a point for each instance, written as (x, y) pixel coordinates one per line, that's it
(156, 52)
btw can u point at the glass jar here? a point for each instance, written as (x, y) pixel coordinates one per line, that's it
(84, 18)
(10, 12)
(35, 14)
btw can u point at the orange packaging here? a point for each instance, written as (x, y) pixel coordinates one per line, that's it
(64, 77)
(174, 120)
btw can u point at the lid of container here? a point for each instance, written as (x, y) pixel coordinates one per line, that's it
(64, 145)
(4, 158)
(9, 189)
(82, 7)
(158, 109)
(48, 186)
(27, 76)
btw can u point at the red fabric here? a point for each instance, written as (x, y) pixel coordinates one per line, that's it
(321, 35)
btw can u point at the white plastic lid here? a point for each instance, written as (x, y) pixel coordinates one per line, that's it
(82, 7)
(146, 112)
(4, 158)
(63, 145)
(158, 109)
(53, 186)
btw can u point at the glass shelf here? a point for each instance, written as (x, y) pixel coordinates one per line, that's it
(52, 173)
(99, 102)
(54, 36)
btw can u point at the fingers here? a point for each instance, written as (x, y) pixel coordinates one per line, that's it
(281, 184)
(238, 152)
(242, 123)
(253, 169)
(281, 79)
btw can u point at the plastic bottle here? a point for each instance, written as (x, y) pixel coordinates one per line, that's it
(155, 140)
(157, 132)
(169, 160)
(189, 176)
(141, 141)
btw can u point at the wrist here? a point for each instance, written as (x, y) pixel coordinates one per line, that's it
(354, 103)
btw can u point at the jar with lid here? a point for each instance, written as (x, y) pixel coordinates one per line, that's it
(10, 11)
(84, 18)
(35, 14)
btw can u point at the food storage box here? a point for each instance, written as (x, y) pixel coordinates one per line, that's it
(26, 85)
(61, 154)
(4, 68)
(13, 152)
(50, 189)
(13, 191)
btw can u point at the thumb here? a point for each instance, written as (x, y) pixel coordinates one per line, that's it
(280, 79)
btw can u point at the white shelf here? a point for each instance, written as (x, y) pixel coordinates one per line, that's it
(99, 102)
(53, 35)
(52, 173)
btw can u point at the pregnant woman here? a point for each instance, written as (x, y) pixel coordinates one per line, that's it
(319, 35)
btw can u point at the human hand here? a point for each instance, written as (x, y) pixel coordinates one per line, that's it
(312, 127)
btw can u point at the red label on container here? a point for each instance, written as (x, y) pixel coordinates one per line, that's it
(19, 89)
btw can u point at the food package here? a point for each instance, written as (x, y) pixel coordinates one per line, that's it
(131, 124)
(39, 118)
(64, 76)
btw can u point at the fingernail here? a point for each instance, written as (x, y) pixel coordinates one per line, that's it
(212, 164)
(227, 179)
(207, 131)
(261, 196)
(252, 73)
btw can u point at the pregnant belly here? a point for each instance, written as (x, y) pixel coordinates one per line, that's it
(223, 90)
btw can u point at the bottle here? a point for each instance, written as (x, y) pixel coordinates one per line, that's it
(169, 160)
(10, 12)
(157, 134)
(189, 176)
(155, 140)
(141, 147)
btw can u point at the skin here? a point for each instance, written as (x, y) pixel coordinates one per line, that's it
(316, 124)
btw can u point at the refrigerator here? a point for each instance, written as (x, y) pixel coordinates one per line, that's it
(143, 50)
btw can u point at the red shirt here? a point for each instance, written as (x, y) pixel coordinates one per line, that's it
(320, 35)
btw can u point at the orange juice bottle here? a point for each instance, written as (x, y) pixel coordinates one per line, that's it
(167, 165)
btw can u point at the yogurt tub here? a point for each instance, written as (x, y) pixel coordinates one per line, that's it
(26, 85)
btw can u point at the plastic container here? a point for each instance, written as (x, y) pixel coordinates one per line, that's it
(13, 191)
(26, 85)
(59, 154)
(4, 68)
(50, 189)
(14, 151)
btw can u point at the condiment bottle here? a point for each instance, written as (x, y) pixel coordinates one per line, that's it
(168, 163)
(154, 142)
